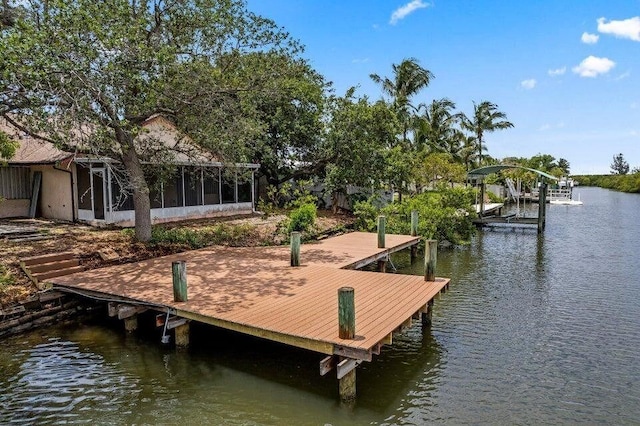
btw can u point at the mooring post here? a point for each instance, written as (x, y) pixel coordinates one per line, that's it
(346, 313)
(381, 231)
(414, 233)
(414, 223)
(347, 330)
(542, 207)
(179, 270)
(295, 248)
(430, 259)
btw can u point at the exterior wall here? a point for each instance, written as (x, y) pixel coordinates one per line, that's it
(55, 194)
(14, 208)
(173, 214)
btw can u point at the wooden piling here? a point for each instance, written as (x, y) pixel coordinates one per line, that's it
(382, 266)
(430, 259)
(131, 323)
(427, 316)
(346, 313)
(542, 207)
(182, 335)
(295, 248)
(381, 231)
(179, 270)
(414, 223)
(347, 387)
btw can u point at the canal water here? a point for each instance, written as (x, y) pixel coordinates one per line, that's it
(534, 330)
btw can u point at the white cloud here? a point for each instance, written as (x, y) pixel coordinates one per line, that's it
(627, 28)
(623, 76)
(547, 126)
(589, 38)
(359, 60)
(528, 84)
(403, 11)
(593, 66)
(558, 71)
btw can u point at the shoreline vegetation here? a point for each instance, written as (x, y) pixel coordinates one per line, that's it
(625, 183)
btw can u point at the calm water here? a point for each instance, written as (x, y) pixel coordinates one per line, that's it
(533, 331)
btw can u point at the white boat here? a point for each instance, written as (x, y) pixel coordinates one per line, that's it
(567, 202)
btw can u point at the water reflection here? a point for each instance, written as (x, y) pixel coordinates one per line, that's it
(534, 330)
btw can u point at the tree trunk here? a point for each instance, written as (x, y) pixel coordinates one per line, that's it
(140, 189)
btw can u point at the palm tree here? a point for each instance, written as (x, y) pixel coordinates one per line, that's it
(435, 126)
(486, 118)
(408, 79)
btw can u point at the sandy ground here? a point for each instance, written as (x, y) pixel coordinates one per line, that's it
(86, 242)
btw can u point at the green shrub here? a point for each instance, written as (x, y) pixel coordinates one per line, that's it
(302, 218)
(445, 214)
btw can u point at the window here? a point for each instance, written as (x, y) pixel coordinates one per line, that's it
(173, 190)
(228, 188)
(244, 187)
(211, 186)
(192, 186)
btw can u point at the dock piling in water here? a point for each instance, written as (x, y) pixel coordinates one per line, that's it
(430, 259)
(179, 270)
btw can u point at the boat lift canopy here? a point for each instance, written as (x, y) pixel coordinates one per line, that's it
(487, 170)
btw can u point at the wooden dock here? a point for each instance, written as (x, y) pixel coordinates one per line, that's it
(255, 291)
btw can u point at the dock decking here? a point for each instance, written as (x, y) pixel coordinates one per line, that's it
(255, 291)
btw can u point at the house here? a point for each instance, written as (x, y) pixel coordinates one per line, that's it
(73, 186)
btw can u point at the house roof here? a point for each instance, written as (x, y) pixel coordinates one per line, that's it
(35, 151)
(31, 150)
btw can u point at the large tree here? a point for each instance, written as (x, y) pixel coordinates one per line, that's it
(619, 165)
(358, 138)
(435, 126)
(86, 74)
(408, 79)
(486, 118)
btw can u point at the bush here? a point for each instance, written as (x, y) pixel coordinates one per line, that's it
(194, 238)
(445, 214)
(302, 218)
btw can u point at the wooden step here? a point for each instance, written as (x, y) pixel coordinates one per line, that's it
(47, 258)
(52, 266)
(57, 273)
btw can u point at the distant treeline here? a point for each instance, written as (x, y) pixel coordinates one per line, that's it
(624, 183)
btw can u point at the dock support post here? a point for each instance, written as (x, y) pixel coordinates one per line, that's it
(381, 231)
(182, 335)
(482, 191)
(426, 316)
(542, 207)
(295, 248)
(347, 387)
(131, 323)
(347, 330)
(179, 270)
(430, 259)
(382, 265)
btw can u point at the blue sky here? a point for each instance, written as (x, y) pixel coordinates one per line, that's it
(566, 72)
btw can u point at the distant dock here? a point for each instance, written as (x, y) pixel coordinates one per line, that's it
(256, 291)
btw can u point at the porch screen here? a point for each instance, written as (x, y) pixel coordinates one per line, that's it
(15, 183)
(84, 188)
